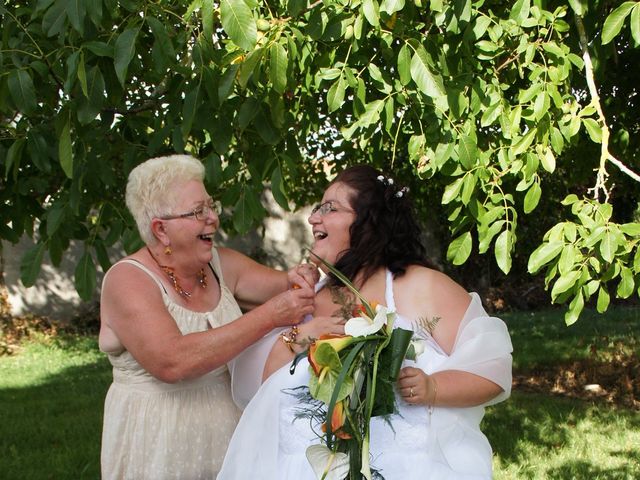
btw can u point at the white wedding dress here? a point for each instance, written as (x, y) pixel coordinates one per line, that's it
(418, 443)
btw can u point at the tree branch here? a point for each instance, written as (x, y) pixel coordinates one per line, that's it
(605, 155)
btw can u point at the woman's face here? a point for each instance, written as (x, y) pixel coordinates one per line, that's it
(192, 238)
(331, 221)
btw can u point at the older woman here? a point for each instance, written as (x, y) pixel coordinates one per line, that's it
(365, 226)
(170, 323)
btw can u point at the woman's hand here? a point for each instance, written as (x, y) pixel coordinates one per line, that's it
(319, 326)
(290, 307)
(303, 274)
(416, 387)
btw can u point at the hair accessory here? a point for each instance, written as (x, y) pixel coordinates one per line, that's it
(167, 250)
(388, 181)
(202, 277)
(400, 193)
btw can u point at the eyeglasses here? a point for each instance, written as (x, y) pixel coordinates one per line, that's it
(201, 213)
(325, 208)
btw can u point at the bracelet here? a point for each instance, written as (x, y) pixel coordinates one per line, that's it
(289, 337)
(435, 391)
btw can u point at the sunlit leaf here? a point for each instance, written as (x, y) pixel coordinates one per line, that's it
(460, 249)
(615, 20)
(237, 20)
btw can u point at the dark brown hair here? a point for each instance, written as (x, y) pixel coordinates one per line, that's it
(385, 232)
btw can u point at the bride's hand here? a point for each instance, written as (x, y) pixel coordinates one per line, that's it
(318, 326)
(416, 387)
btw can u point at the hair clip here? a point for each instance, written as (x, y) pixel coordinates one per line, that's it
(385, 180)
(400, 193)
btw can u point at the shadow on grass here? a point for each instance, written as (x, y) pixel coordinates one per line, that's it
(543, 425)
(52, 430)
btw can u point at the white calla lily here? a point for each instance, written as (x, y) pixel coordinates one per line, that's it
(326, 464)
(363, 326)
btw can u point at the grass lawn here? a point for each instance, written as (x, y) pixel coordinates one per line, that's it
(52, 393)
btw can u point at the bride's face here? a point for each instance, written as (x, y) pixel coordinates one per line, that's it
(330, 221)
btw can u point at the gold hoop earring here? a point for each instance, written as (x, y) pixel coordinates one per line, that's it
(167, 250)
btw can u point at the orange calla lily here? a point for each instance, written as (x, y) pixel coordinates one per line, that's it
(335, 341)
(337, 421)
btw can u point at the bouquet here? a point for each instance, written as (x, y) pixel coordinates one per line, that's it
(353, 377)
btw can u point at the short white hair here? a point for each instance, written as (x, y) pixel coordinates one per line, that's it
(153, 187)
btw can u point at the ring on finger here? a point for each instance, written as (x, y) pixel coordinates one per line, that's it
(411, 391)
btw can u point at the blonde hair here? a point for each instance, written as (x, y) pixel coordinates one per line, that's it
(153, 186)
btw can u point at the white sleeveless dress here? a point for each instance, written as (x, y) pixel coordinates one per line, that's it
(154, 430)
(446, 443)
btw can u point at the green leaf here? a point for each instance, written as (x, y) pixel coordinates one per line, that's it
(76, 11)
(532, 197)
(603, 299)
(428, 83)
(90, 107)
(242, 218)
(248, 66)
(22, 91)
(452, 191)
(371, 11)
(626, 285)
(460, 249)
(564, 283)
(85, 276)
(593, 129)
(613, 23)
(226, 82)
(491, 114)
(189, 109)
(578, 6)
(404, 64)
(392, 6)
(335, 95)
(65, 150)
(278, 63)
(277, 189)
(467, 151)
(502, 250)
(124, 50)
(635, 23)
(609, 246)
(468, 186)
(371, 114)
(548, 160)
(575, 308)
(31, 264)
(237, 20)
(82, 75)
(523, 143)
(520, 10)
(631, 229)
(543, 255)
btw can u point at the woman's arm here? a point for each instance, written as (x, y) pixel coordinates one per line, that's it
(253, 283)
(477, 355)
(133, 310)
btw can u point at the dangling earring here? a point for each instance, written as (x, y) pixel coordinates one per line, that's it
(167, 250)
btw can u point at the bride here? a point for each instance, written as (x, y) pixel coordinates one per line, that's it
(366, 228)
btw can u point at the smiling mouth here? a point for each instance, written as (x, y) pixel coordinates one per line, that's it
(207, 237)
(319, 235)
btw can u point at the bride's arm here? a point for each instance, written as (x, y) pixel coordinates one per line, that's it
(477, 369)
(293, 341)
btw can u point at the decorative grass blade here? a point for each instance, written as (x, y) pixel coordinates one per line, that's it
(347, 283)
